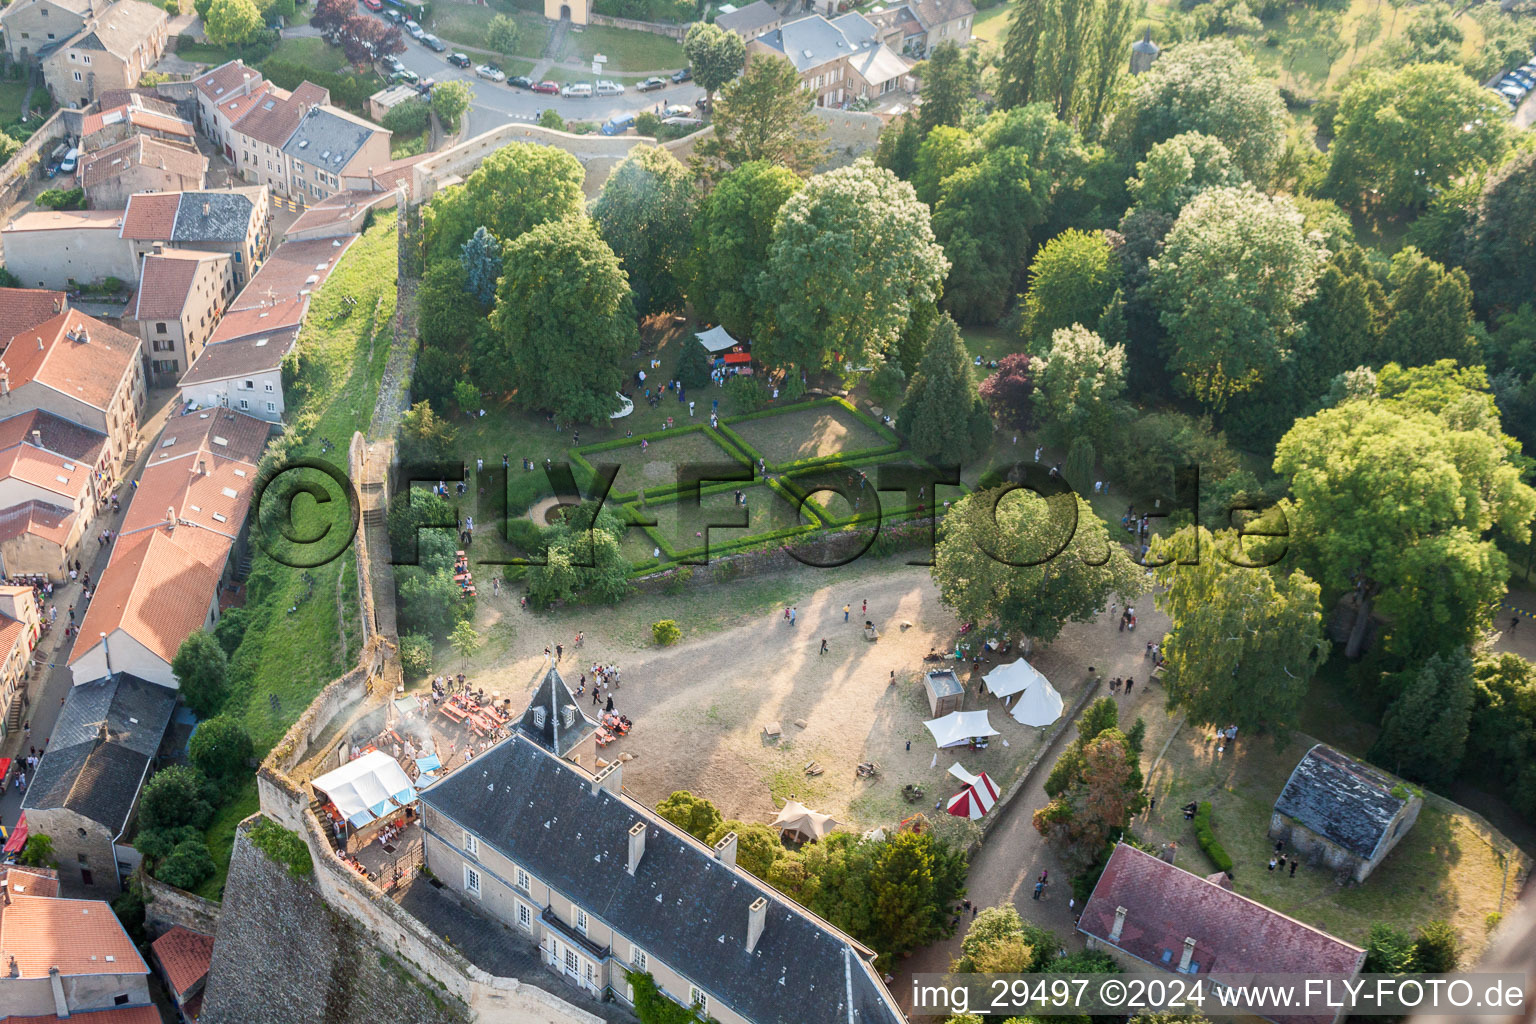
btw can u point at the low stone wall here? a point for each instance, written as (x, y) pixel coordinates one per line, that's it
(28, 160)
(671, 30)
(598, 153)
(166, 906)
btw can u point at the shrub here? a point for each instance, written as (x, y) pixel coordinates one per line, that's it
(407, 118)
(666, 632)
(283, 847)
(415, 654)
(62, 199)
(747, 392)
(676, 583)
(1207, 838)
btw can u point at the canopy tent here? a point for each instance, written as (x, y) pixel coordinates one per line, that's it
(716, 339)
(1038, 705)
(367, 789)
(17, 837)
(736, 358)
(427, 765)
(804, 823)
(976, 799)
(959, 727)
(1007, 680)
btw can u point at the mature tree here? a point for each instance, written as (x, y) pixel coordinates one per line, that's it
(202, 673)
(516, 188)
(757, 845)
(645, 215)
(1388, 950)
(449, 101)
(1402, 136)
(329, 14)
(1067, 53)
(1437, 949)
(582, 559)
(715, 55)
(827, 303)
(1430, 314)
(898, 146)
(221, 749)
(1178, 169)
(1097, 805)
(1103, 714)
(983, 219)
(1424, 732)
(481, 260)
(1499, 244)
(1010, 392)
(950, 77)
(1432, 442)
(501, 34)
(1343, 321)
(943, 152)
(693, 814)
(941, 415)
(38, 852)
(1234, 271)
(1501, 741)
(1071, 280)
(425, 437)
(763, 115)
(188, 865)
(1244, 642)
(445, 318)
(731, 234)
(694, 365)
(551, 119)
(431, 602)
(174, 797)
(1078, 385)
(563, 322)
(998, 935)
(1213, 88)
(986, 542)
(231, 21)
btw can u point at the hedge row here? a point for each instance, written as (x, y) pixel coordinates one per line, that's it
(726, 546)
(1207, 838)
(893, 443)
(586, 472)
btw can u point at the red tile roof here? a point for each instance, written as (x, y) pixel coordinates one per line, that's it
(30, 881)
(138, 117)
(79, 937)
(166, 282)
(274, 119)
(116, 1015)
(1233, 934)
(150, 217)
(75, 355)
(293, 269)
(22, 309)
(52, 523)
(184, 956)
(236, 107)
(224, 78)
(340, 214)
(256, 320)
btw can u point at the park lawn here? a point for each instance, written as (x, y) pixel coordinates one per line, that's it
(205, 53)
(656, 468)
(685, 526)
(808, 434)
(1450, 866)
(991, 25)
(626, 49)
(463, 23)
(313, 53)
(220, 837)
(991, 344)
(565, 75)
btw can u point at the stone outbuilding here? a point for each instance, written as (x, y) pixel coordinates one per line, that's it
(1343, 813)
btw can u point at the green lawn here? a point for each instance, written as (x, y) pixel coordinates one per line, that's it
(809, 434)
(655, 467)
(683, 524)
(204, 53)
(626, 49)
(220, 837)
(312, 53)
(513, 66)
(457, 24)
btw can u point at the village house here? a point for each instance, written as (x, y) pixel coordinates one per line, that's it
(225, 84)
(181, 539)
(183, 957)
(138, 115)
(21, 624)
(599, 884)
(53, 484)
(1145, 912)
(64, 249)
(80, 370)
(33, 26)
(112, 50)
(755, 19)
(328, 146)
(261, 125)
(1343, 813)
(237, 221)
(140, 163)
(182, 293)
(86, 788)
(840, 60)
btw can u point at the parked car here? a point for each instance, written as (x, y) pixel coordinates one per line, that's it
(606, 88)
(374, 5)
(651, 84)
(414, 30)
(459, 60)
(577, 90)
(395, 17)
(548, 88)
(677, 110)
(685, 75)
(682, 122)
(618, 124)
(490, 71)
(405, 75)
(433, 43)
(520, 82)
(70, 162)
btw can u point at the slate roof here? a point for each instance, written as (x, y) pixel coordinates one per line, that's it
(119, 28)
(812, 41)
(937, 12)
(95, 777)
(214, 216)
(1233, 934)
(549, 728)
(1343, 800)
(747, 21)
(682, 905)
(329, 138)
(184, 956)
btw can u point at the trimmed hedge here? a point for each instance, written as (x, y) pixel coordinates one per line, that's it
(1207, 838)
(893, 443)
(586, 472)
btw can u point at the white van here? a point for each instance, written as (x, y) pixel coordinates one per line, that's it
(609, 89)
(577, 89)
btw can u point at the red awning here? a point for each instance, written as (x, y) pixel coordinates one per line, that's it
(737, 357)
(18, 837)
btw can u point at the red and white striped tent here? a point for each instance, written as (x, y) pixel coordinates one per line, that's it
(978, 796)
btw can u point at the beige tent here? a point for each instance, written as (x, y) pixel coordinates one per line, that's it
(801, 823)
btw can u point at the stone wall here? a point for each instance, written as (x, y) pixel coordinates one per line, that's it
(671, 30)
(30, 159)
(597, 153)
(166, 906)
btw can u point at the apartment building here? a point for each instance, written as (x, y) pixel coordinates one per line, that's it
(220, 93)
(329, 145)
(33, 26)
(112, 50)
(182, 293)
(55, 478)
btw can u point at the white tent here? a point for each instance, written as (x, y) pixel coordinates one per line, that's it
(803, 822)
(959, 727)
(367, 789)
(1038, 705)
(717, 340)
(1007, 680)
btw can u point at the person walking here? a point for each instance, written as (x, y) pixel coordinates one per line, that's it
(846, 609)
(864, 608)
(1129, 682)
(1039, 888)
(1294, 862)
(559, 651)
(794, 613)
(823, 645)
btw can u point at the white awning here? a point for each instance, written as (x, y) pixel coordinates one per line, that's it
(1039, 705)
(959, 727)
(1007, 680)
(717, 340)
(368, 788)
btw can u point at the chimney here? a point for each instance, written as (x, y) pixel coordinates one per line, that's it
(170, 517)
(757, 916)
(725, 849)
(1114, 933)
(1189, 954)
(85, 335)
(37, 438)
(636, 845)
(610, 778)
(5, 385)
(207, 209)
(202, 467)
(39, 342)
(106, 652)
(5, 893)
(56, 305)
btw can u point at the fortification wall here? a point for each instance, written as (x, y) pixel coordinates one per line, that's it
(166, 906)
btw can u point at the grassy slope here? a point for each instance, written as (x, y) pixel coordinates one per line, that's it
(626, 50)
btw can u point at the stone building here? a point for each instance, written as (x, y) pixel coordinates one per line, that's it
(111, 51)
(235, 220)
(1143, 52)
(140, 163)
(1343, 813)
(182, 294)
